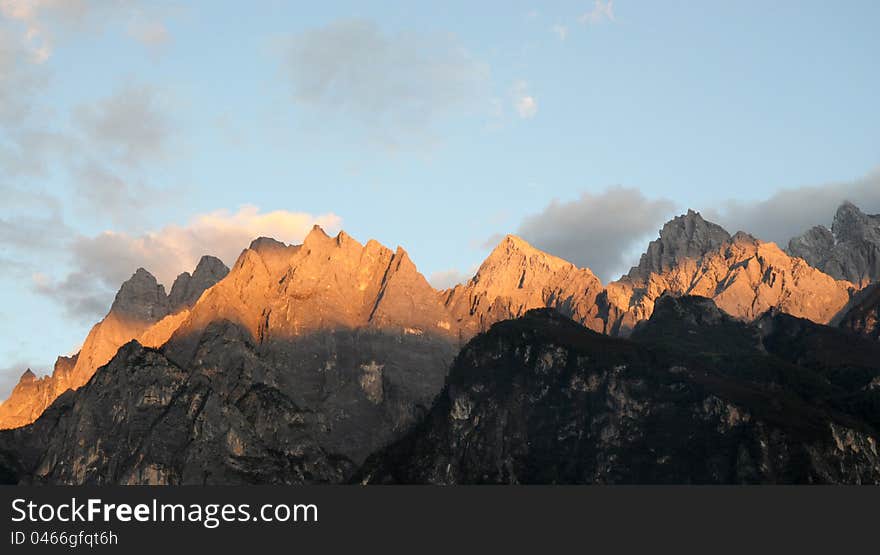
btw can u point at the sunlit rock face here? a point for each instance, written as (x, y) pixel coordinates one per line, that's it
(744, 276)
(140, 310)
(850, 250)
(517, 277)
(32, 394)
(277, 292)
(694, 397)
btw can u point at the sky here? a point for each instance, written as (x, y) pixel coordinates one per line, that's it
(149, 133)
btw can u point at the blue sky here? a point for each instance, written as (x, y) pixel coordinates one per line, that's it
(134, 133)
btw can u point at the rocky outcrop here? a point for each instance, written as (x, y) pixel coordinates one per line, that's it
(850, 250)
(684, 238)
(517, 277)
(37, 392)
(863, 313)
(541, 400)
(144, 420)
(141, 309)
(744, 276)
(278, 292)
(187, 288)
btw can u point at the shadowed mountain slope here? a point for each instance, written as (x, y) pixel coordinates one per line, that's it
(542, 400)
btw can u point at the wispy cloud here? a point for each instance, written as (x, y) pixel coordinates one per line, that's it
(525, 104)
(149, 33)
(446, 279)
(600, 12)
(560, 31)
(131, 124)
(396, 86)
(43, 20)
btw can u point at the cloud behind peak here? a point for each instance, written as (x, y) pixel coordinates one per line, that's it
(602, 231)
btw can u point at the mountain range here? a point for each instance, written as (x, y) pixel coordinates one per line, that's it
(334, 360)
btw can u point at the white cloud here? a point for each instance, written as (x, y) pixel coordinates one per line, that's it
(30, 222)
(524, 103)
(101, 263)
(560, 31)
(149, 33)
(396, 86)
(601, 11)
(18, 83)
(43, 20)
(446, 279)
(130, 124)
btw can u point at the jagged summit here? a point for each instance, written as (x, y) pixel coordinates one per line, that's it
(141, 297)
(266, 244)
(513, 258)
(850, 250)
(279, 293)
(517, 277)
(141, 310)
(516, 242)
(210, 265)
(688, 236)
(745, 238)
(28, 376)
(187, 288)
(849, 221)
(316, 236)
(743, 275)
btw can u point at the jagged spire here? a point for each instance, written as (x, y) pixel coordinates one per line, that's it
(141, 297)
(685, 236)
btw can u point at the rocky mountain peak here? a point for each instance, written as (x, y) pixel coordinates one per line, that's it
(513, 255)
(316, 237)
(28, 376)
(188, 287)
(688, 236)
(851, 224)
(743, 238)
(517, 277)
(266, 244)
(141, 297)
(814, 245)
(850, 250)
(210, 266)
